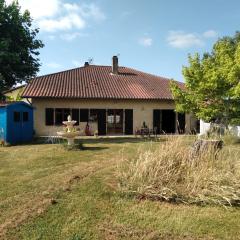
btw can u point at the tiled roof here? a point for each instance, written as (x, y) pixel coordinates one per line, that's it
(98, 82)
(14, 88)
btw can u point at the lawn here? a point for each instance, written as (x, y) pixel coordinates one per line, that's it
(47, 192)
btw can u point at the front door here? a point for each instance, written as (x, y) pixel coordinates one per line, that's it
(115, 121)
(101, 117)
(168, 121)
(128, 121)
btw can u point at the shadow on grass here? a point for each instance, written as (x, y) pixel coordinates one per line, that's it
(80, 146)
(93, 148)
(99, 140)
(120, 140)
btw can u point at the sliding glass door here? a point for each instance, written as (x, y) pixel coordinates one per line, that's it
(115, 121)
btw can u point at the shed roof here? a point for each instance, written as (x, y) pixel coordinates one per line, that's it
(8, 103)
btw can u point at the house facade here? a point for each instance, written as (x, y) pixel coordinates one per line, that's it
(111, 100)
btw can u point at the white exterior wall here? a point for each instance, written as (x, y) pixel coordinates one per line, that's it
(142, 111)
(204, 127)
(235, 130)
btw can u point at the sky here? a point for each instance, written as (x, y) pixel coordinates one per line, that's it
(153, 36)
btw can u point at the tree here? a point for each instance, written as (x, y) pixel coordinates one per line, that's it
(212, 89)
(18, 46)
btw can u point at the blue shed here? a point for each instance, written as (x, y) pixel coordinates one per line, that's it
(16, 122)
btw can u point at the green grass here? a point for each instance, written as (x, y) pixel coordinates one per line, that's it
(47, 192)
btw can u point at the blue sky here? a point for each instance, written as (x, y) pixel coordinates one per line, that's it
(154, 36)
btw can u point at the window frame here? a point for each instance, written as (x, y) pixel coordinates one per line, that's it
(25, 116)
(84, 118)
(75, 116)
(16, 116)
(52, 121)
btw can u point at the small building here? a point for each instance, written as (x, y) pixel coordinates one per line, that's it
(14, 94)
(16, 122)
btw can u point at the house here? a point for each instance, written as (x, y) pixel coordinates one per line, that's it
(16, 122)
(110, 99)
(15, 93)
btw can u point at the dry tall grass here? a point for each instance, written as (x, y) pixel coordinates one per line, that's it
(168, 172)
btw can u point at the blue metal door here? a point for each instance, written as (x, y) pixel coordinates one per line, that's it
(26, 127)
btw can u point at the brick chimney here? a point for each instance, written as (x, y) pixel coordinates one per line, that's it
(115, 65)
(86, 64)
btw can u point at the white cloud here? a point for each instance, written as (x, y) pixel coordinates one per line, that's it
(72, 36)
(71, 7)
(53, 65)
(52, 37)
(63, 23)
(210, 34)
(77, 63)
(146, 41)
(40, 8)
(92, 11)
(180, 39)
(61, 15)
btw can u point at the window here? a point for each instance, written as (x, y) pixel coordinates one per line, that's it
(16, 116)
(25, 116)
(93, 115)
(118, 119)
(84, 113)
(66, 113)
(110, 119)
(58, 116)
(115, 121)
(75, 115)
(49, 116)
(61, 115)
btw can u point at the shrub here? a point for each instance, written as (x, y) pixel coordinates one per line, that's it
(167, 172)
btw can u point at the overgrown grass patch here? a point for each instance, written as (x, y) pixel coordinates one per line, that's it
(169, 172)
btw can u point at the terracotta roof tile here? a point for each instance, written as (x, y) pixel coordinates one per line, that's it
(98, 82)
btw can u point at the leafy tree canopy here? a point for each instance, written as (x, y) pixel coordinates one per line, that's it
(18, 46)
(212, 89)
